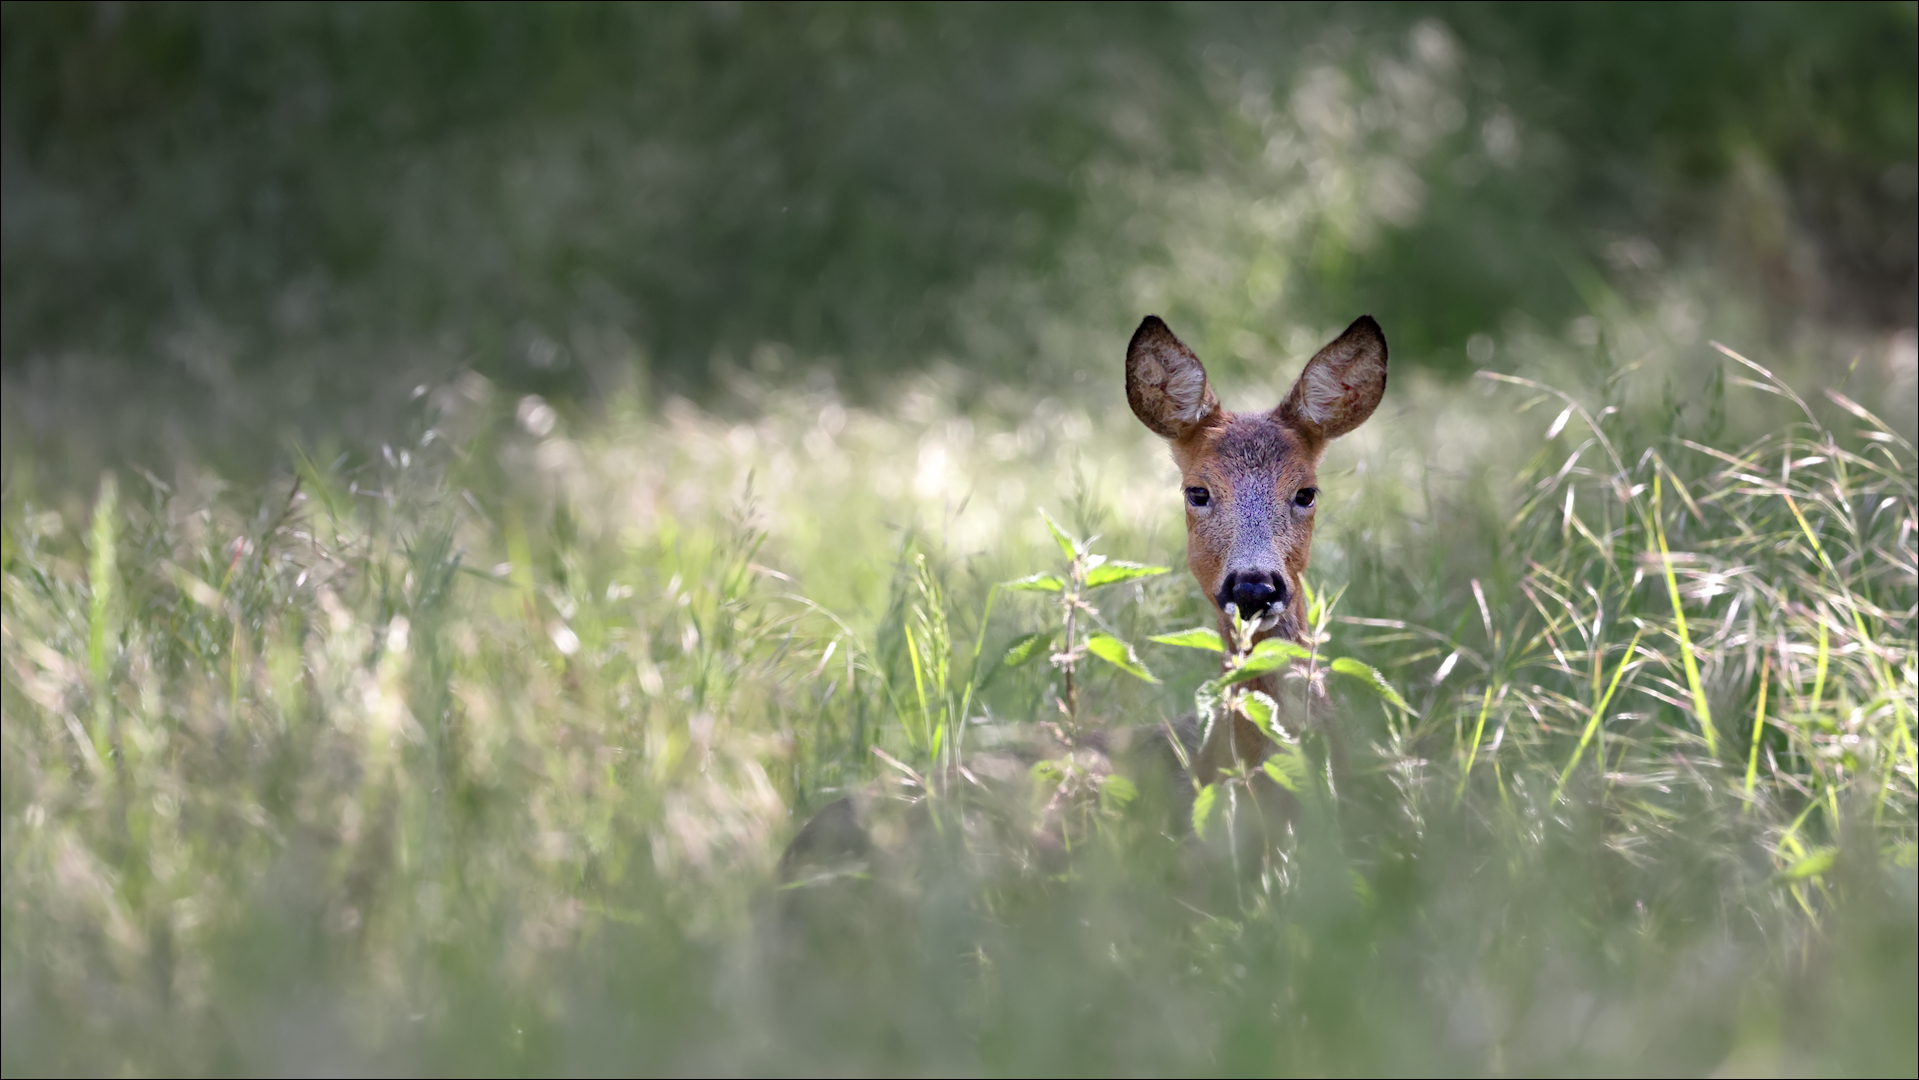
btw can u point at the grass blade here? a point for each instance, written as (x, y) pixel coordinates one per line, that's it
(1599, 711)
(1758, 729)
(1472, 752)
(1700, 708)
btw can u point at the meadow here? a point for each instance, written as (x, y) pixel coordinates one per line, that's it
(464, 734)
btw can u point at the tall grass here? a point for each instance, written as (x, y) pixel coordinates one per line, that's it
(478, 755)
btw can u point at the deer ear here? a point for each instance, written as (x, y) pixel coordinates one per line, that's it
(1341, 386)
(1165, 383)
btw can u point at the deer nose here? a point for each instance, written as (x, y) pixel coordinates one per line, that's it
(1252, 591)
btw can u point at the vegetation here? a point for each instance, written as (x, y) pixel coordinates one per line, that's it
(478, 756)
(269, 217)
(464, 732)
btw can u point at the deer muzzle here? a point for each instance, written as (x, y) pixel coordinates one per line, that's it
(1253, 592)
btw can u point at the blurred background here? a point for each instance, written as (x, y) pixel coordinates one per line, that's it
(477, 477)
(226, 223)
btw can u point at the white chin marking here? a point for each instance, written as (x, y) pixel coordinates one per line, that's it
(1270, 620)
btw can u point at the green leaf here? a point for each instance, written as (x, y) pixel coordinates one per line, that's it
(1067, 545)
(1267, 656)
(1280, 647)
(1036, 583)
(1287, 769)
(1289, 766)
(1116, 791)
(1023, 649)
(1362, 892)
(1199, 637)
(1119, 654)
(1240, 675)
(1206, 699)
(1203, 805)
(1346, 665)
(1260, 709)
(1120, 570)
(1816, 862)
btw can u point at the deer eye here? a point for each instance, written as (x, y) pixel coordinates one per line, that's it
(1198, 496)
(1304, 497)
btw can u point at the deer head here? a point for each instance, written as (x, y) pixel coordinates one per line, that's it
(1250, 478)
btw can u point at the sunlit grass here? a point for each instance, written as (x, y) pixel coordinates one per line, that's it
(480, 754)
(479, 751)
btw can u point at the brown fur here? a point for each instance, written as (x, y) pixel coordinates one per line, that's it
(1253, 465)
(1165, 383)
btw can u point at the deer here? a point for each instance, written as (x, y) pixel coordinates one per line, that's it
(1250, 485)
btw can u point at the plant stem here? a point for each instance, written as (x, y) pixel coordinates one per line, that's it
(1071, 602)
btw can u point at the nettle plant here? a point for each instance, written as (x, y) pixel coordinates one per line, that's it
(1294, 671)
(1081, 631)
(1212, 761)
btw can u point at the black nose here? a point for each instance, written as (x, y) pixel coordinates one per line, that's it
(1253, 591)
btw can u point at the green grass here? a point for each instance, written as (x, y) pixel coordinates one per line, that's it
(478, 755)
(353, 727)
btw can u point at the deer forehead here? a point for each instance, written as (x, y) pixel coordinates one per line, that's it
(1247, 448)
